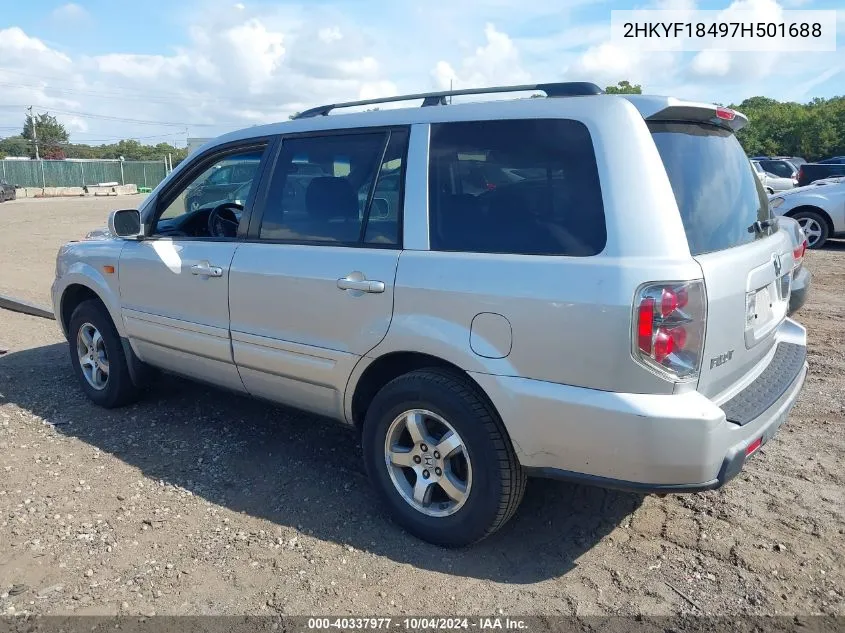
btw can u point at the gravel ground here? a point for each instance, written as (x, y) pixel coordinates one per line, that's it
(195, 501)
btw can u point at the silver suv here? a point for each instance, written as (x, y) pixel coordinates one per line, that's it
(588, 287)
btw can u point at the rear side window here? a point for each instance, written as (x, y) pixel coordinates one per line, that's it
(718, 195)
(517, 186)
(780, 168)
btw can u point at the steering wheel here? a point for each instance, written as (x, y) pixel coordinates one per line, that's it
(222, 221)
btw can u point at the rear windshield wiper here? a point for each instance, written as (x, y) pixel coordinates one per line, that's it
(760, 226)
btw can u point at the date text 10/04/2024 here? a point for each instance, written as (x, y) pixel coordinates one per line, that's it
(418, 624)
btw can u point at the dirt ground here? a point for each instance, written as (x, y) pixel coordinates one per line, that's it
(35, 228)
(195, 501)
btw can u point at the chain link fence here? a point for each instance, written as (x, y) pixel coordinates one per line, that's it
(79, 173)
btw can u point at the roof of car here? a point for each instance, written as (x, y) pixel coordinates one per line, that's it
(650, 107)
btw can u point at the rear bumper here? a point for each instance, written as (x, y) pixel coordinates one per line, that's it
(639, 442)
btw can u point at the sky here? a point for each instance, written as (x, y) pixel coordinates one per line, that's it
(163, 70)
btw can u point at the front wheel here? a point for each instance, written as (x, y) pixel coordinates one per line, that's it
(814, 226)
(440, 459)
(97, 356)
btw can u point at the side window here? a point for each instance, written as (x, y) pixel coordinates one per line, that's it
(187, 212)
(515, 186)
(323, 186)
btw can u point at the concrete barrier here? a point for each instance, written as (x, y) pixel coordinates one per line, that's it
(70, 191)
(126, 190)
(118, 190)
(56, 192)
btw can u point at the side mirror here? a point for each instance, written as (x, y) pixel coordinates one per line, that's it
(126, 223)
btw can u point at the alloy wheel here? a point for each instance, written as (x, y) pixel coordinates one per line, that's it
(428, 463)
(812, 229)
(91, 351)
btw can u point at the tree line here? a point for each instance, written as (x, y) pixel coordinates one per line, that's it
(54, 143)
(813, 130)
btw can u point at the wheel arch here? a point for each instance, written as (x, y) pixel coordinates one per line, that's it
(814, 209)
(77, 287)
(381, 370)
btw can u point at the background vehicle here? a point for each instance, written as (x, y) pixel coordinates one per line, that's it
(834, 160)
(795, 161)
(801, 278)
(475, 336)
(772, 183)
(219, 183)
(810, 172)
(818, 208)
(781, 168)
(7, 191)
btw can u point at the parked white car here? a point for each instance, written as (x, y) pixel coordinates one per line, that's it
(772, 183)
(819, 209)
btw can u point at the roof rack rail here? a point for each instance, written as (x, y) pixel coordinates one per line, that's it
(561, 89)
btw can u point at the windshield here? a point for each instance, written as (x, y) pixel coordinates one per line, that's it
(718, 195)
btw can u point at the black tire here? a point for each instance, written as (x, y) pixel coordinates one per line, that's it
(816, 217)
(119, 389)
(498, 481)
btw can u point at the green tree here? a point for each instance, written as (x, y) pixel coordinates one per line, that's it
(624, 88)
(14, 146)
(50, 134)
(812, 130)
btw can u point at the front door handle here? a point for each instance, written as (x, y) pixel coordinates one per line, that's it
(356, 281)
(206, 270)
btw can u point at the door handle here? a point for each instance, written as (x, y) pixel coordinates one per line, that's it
(361, 285)
(206, 270)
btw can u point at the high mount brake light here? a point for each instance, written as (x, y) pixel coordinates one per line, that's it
(669, 321)
(725, 114)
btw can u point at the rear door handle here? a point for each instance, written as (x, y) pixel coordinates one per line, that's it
(362, 285)
(206, 270)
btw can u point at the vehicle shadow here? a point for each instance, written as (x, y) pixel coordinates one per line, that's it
(296, 470)
(833, 245)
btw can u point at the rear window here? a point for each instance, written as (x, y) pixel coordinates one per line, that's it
(718, 195)
(515, 186)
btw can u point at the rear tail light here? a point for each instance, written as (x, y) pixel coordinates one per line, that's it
(798, 254)
(668, 333)
(800, 173)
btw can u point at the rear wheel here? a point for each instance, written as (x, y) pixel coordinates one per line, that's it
(815, 228)
(97, 356)
(440, 459)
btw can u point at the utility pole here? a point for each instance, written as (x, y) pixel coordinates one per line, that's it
(34, 132)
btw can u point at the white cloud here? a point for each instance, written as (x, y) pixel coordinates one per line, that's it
(237, 66)
(70, 12)
(330, 34)
(496, 62)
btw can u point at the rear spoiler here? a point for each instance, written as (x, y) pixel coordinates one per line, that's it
(671, 109)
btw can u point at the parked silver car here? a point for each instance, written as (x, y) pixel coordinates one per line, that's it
(610, 307)
(771, 182)
(819, 208)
